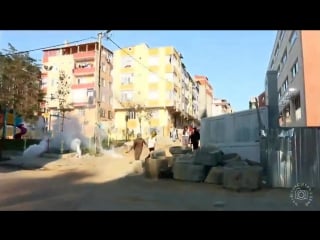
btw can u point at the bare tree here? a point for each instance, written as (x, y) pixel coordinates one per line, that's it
(63, 99)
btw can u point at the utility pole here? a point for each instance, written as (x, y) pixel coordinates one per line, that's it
(97, 126)
(98, 143)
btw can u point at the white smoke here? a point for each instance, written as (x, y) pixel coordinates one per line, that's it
(71, 131)
(112, 153)
(36, 150)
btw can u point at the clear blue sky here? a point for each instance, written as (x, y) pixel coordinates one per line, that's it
(235, 62)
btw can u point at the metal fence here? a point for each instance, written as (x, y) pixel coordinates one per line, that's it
(291, 156)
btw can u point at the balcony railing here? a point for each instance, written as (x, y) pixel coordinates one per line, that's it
(83, 71)
(84, 55)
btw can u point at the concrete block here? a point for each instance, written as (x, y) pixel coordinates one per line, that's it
(202, 157)
(215, 176)
(153, 167)
(242, 178)
(233, 160)
(188, 172)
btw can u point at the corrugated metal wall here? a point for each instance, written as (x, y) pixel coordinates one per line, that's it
(291, 156)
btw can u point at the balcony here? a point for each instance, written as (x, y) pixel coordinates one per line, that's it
(83, 71)
(82, 86)
(90, 55)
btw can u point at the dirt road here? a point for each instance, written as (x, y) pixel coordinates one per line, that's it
(106, 183)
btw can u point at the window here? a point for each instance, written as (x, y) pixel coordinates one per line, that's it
(278, 70)
(294, 69)
(52, 82)
(296, 102)
(103, 98)
(284, 57)
(126, 96)
(127, 78)
(285, 85)
(155, 114)
(109, 115)
(169, 77)
(276, 52)
(104, 67)
(168, 59)
(103, 82)
(81, 112)
(153, 95)
(281, 34)
(287, 111)
(153, 77)
(102, 113)
(132, 115)
(79, 81)
(127, 61)
(153, 60)
(297, 106)
(293, 37)
(90, 92)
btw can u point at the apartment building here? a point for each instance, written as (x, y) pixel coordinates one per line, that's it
(220, 107)
(261, 101)
(296, 58)
(152, 91)
(80, 63)
(205, 96)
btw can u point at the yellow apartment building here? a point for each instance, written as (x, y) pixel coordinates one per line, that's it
(152, 91)
(80, 64)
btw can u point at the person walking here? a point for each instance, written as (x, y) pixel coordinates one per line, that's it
(137, 147)
(152, 143)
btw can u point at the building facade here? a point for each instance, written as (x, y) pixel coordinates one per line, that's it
(152, 91)
(205, 96)
(220, 107)
(80, 65)
(296, 58)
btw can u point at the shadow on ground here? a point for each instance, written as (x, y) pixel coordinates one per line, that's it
(71, 191)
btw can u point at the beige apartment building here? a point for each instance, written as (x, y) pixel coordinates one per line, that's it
(152, 91)
(220, 107)
(205, 96)
(80, 64)
(296, 58)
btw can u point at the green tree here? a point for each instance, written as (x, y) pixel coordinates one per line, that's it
(63, 96)
(20, 80)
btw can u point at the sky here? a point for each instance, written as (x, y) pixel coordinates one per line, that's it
(235, 61)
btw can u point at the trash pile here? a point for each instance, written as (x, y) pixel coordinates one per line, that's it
(208, 164)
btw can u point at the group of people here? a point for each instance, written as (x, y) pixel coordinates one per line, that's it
(190, 137)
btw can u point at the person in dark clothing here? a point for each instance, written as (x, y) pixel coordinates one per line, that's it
(137, 146)
(195, 138)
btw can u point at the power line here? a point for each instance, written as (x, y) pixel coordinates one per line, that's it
(44, 48)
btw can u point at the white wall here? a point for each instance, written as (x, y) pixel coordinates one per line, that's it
(235, 133)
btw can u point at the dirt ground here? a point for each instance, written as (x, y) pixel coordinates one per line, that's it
(107, 183)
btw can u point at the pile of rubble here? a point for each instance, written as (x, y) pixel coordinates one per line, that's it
(208, 164)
